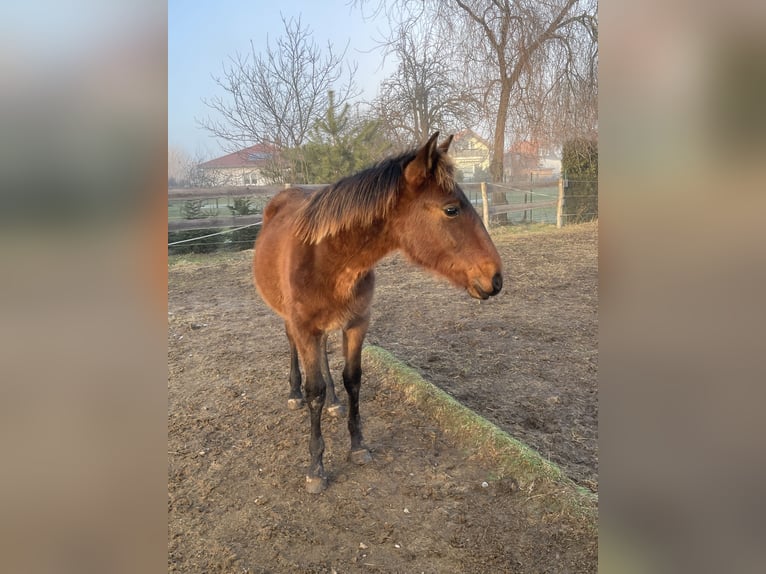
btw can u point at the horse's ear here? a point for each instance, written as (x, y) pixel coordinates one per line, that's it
(420, 167)
(444, 146)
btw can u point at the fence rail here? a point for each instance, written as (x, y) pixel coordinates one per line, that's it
(512, 207)
(511, 202)
(190, 193)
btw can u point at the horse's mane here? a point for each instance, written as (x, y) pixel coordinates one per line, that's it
(359, 200)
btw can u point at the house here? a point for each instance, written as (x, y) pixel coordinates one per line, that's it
(471, 154)
(250, 166)
(550, 164)
(527, 159)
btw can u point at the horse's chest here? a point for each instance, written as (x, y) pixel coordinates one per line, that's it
(347, 285)
(329, 296)
(351, 297)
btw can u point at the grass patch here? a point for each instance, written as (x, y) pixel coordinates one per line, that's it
(520, 228)
(536, 476)
(213, 258)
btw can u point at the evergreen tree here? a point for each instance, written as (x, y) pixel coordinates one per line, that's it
(341, 144)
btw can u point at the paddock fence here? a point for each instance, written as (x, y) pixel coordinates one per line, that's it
(213, 218)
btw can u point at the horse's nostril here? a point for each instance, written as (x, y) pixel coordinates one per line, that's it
(497, 283)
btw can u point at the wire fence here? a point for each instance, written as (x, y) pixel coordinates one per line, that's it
(510, 204)
(229, 218)
(214, 234)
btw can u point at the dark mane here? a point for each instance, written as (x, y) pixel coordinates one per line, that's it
(359, 200)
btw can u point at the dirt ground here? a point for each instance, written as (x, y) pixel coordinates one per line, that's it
(526, 360)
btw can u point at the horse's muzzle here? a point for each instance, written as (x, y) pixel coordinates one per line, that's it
(478, 292)
(497, 283)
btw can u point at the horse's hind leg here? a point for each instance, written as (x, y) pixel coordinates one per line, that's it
(334, 407)
(353, 336)
(295, 398)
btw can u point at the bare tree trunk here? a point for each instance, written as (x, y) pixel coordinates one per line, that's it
(496, 164)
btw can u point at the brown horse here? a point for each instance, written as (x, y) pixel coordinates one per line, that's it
(314, 260)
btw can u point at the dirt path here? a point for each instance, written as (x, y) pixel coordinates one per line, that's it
(526, 360)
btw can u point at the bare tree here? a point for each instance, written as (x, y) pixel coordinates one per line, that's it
(184, 170)
(277, 97)
(560, 101)
(515, 35)
(178, 159)
(422, 94)
(507, 46)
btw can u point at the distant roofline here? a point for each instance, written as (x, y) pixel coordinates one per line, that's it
(243, 158)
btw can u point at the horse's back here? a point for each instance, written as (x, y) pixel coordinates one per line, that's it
(285, 201)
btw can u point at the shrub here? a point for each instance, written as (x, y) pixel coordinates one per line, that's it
(234, 241)
(242, 206)
(195, 209)
(202, 245)
(579, 165)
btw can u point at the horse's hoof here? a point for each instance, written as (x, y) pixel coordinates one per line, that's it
(295, 404)
(337, 410)
(361, 456)
(315, 484)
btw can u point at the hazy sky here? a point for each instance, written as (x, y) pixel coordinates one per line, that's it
(202, 35)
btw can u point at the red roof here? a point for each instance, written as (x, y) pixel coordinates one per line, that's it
(525, 148)
(253, 156)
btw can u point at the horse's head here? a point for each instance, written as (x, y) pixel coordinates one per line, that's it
(438, 227)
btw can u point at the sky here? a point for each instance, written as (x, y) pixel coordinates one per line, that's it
(202, 36)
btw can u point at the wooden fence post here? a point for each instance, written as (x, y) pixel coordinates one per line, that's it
(485, 203)
(560, 205)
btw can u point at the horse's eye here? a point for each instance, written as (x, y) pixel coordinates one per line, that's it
(452, 211)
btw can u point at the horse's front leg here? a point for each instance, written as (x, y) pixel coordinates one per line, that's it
(309, 348)
(295, 398)
(353, 337)
(334, 407)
